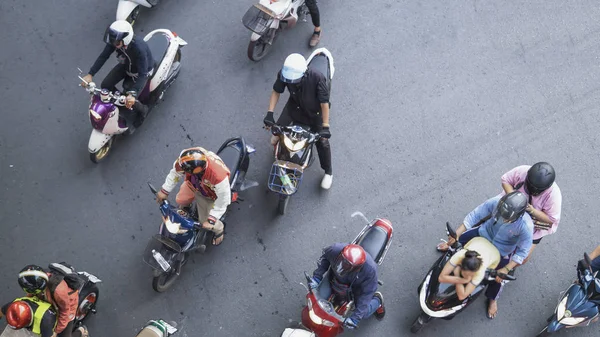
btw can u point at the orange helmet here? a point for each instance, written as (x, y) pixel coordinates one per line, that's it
(19, 315)
(192, 161)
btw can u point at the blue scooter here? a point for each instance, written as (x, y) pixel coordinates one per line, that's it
(180, 233)
(578, 306)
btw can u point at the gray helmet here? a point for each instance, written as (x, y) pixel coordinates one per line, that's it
(510, 207)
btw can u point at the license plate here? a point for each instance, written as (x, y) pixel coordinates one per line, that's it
(90, 277)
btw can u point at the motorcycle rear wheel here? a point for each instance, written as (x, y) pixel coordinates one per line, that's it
(282, 204)
(258, 49)
(88, 298)
(97, 156)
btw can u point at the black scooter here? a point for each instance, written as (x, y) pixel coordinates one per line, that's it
(439, 300)
(578, 305)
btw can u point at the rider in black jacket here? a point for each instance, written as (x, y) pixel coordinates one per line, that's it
(134, 67)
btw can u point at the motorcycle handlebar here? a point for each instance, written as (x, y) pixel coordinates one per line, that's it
(494, 273)
(277, 129)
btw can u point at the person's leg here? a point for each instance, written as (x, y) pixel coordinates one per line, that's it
(141, 110)
(494, 289)
(186, 195)
(373, 306)
(115, 75)
(68, 331)
(325, 288)
(316, 20)
(284, 120)
(204, 206)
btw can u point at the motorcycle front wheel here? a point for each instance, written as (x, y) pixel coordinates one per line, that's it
(258, 49)
(543, 333)
(282, 204)
(164, 281)
(419, 323)
(97, 156)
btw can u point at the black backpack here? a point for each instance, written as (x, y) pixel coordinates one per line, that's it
(63, 271)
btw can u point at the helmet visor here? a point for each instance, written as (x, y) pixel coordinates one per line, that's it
(291, 75)
(113, 37)
(342, 267)
(532, 190)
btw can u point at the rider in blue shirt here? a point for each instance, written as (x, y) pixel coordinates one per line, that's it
(503, 221)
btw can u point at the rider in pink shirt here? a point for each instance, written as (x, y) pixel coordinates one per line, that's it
(545, 199)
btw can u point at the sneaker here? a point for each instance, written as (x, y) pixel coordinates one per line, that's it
(315, 39)
(326, 182)
(83, 331)
(380, 312)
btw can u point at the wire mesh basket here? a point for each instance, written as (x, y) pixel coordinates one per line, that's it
(285, 178)
(258, 19)
(158, 243)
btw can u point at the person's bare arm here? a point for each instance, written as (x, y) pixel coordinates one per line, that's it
(594, 254)
(539, 215)
(507, 188)
(447, 277)
(325, 111)
(464, 290)
(273, 100)
(461, 229)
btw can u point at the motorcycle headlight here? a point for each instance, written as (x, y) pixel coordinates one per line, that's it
(315, 318)
(561, 308)
(290, 145)
(572, 320)
(172, 227)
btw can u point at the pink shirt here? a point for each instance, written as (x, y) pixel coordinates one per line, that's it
(549, 201)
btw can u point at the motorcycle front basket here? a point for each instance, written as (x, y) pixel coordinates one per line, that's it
(258, 19)
(157, 243)
(284, 178)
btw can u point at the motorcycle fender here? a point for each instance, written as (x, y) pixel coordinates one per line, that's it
(254, 37)
(124, 8)
(97, 140)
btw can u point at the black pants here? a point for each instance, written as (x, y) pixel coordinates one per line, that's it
(323, 147)
(314, 12)
(68, 331)
(118, 74)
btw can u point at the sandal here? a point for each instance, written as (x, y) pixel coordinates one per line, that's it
(84, 331)
(487, 310)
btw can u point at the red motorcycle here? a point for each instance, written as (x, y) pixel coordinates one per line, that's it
(320, 317)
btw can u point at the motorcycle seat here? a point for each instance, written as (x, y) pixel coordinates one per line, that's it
(158, 45)
(374, 242)
(320, 63)
(231, 156)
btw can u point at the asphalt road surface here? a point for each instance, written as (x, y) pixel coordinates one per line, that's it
(432, 102)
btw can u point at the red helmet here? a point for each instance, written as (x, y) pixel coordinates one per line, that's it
(19, 315)
(350, 260)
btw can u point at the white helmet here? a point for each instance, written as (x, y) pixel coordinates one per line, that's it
(119, 30)
(293, 69)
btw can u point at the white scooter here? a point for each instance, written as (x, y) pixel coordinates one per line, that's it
(266, 19)
(105, 106)
(129, 9)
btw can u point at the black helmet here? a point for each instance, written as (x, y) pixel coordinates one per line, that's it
(539, 178)
(192, 161)
(511, 207)
(33, 279)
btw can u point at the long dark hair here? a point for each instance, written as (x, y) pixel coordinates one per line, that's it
(472, 261)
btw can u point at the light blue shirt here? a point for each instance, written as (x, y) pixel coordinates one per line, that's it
(514, 237)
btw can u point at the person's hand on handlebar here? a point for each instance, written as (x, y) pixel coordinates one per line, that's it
(269, 119)
(86, 80)
(129, 101)
(325, 133)
(160, 197)
(505, 271)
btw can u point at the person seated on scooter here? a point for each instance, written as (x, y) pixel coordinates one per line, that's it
(545, 198)
(504, 222)
(352, 275)
(466, 269)
(36, 282)
(134, 67)
(308, 105)
(206, 180)
(30, 313)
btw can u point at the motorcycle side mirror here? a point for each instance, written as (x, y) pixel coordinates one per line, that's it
(152, 188)
(450, 230)
(308, 277)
